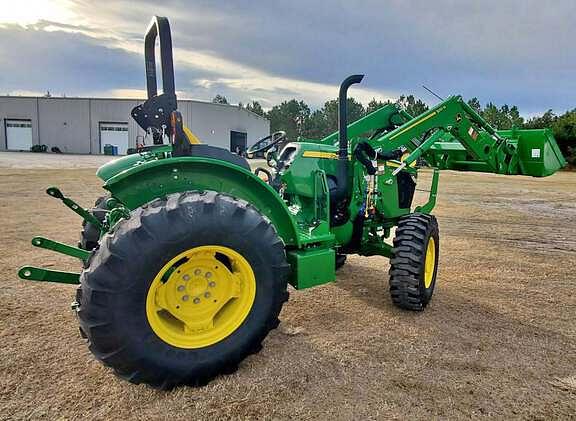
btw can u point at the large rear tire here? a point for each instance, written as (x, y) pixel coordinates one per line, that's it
(414, 265)
(184, 290)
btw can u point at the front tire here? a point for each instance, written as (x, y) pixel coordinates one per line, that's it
(148, 306)
(414, 264)
(340, 260)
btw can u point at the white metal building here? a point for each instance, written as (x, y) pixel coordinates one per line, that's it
(85, 125)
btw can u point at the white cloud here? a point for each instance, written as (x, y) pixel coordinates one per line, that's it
(26, 12)
(270, 51)
(270, 89)
(246, 83)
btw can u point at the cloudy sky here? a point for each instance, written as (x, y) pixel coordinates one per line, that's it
(505, 51)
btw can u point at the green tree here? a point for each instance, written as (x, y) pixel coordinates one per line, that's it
(541, 122)
(316, 126)
(330, 111)
(219, 99)
(504, 122)
(255, 107)
(290, 116)
(475, 104)
(490, 113)
(515, 119)
(412, 105)
(374, 105)
(564, 128)
(503, 118)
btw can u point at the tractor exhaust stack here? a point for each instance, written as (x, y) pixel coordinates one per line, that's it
(342, 190)
(343, 114)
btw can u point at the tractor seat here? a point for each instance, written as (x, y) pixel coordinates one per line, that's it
(207, 151)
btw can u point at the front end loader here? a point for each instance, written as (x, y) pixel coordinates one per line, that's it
(187, 258)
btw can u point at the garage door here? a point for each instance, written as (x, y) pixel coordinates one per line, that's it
(114, 134)
(238, 141)
(18, 135)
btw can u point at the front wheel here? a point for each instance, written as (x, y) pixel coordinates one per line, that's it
(414, 264)
(184, 290)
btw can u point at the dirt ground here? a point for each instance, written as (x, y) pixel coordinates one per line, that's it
(29, 160)
(498, 339)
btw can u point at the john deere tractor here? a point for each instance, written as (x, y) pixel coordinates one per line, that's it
(187, 259)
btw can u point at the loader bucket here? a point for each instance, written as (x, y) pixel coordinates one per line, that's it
(538, 152)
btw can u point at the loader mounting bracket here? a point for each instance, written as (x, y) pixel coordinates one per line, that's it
(429, 205)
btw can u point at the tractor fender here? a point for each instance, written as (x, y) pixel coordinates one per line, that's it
(143, 183)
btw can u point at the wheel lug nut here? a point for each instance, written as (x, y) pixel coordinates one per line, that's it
(197, 272)
(196, 300)
(185, 298)
(212, 284)
(208, 274)
(186, 277)
(207, 294)
(181, 288)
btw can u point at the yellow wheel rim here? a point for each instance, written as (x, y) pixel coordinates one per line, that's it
(429, 263)
(196, 300)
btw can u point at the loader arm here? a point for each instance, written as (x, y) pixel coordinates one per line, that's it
(380, 121)
(452, 135)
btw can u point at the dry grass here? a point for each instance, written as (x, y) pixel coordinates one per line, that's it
(499, 338)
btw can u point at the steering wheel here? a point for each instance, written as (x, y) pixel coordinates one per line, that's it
(266, 143)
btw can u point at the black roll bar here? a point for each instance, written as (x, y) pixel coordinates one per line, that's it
(159, 27)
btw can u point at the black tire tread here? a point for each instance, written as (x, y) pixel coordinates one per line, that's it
(409, 250)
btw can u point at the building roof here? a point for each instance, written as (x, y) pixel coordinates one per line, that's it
(124, 99)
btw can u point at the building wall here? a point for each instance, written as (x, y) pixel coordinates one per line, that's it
(206, 122)
(73, 124)
(65, 124)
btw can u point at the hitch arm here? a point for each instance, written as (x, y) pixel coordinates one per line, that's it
(87, 216)
(32, 273)
(48, 244)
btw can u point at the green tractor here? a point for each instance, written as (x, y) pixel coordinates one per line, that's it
(188, 258)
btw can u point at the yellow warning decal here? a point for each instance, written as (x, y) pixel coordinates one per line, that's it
(320, 154)
(422, 120)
